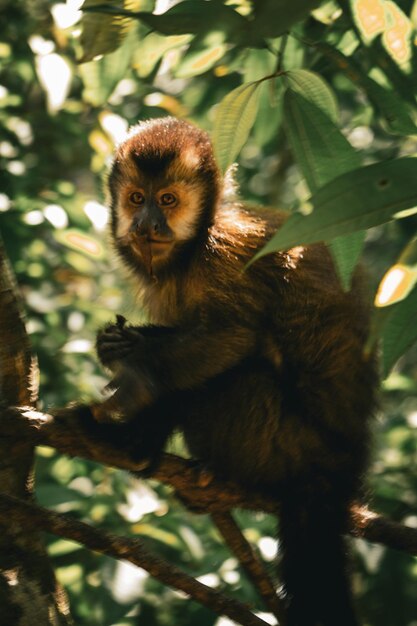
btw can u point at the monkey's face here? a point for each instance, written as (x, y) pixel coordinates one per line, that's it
(163, 186)
(155, 216)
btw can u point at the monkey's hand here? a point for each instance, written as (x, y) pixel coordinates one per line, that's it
(117, 342)
(127, 394)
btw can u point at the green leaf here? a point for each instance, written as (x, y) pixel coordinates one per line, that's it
(387, 103)
(191, 17)
(354, 201)
(400, 278)
(345, 252)
(203, 53)
(321, 151)
(270, 114)
(392, 108)
(101, 77)
(314, 89)
(235, 117)
(259, 63)
(395, 286)
(152, 48)
(275, 17)
(101, 33)
(80, 242)
(61, 547)
(400, 331)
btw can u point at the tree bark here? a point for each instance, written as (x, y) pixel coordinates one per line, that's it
(28, 589)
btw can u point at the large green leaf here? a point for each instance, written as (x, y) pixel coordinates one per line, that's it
(321, 151)
(354, 201)
(235, 117)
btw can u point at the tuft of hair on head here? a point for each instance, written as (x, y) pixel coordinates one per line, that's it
(163, 141)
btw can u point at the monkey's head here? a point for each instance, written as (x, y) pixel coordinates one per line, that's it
(164, 186)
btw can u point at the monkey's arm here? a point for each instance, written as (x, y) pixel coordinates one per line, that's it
(167, 359)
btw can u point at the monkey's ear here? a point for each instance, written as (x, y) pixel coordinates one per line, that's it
(230, 186)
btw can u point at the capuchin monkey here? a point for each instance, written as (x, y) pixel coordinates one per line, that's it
(262, 368)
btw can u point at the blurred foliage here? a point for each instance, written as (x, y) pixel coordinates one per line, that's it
(300, 108)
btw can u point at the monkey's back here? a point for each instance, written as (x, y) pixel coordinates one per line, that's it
(303, 398)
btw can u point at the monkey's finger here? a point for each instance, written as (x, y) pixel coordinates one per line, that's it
(111, 346)
(133, 333)
(120, 320)
(111, 358)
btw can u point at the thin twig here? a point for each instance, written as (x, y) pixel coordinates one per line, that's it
(251, 563)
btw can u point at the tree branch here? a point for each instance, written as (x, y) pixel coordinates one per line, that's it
(132, 550)
(64, 431)
(376, 528)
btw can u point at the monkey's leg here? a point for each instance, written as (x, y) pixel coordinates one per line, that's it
(314, 563)
(142, 437)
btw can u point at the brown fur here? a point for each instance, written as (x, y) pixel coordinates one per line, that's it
(261, 368)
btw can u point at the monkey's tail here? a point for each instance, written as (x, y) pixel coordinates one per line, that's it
(314, 561)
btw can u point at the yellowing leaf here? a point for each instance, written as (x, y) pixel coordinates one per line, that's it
(397, 38)
(79, 241)
(396, 285)
(370, 17)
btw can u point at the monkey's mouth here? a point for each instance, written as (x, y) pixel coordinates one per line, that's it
(151, 250)
(160, 242)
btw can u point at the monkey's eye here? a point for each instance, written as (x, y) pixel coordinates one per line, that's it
(168, 199)
(137, 198)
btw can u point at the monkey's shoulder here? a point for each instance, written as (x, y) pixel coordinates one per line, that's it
(241, 230)
(302, 278)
